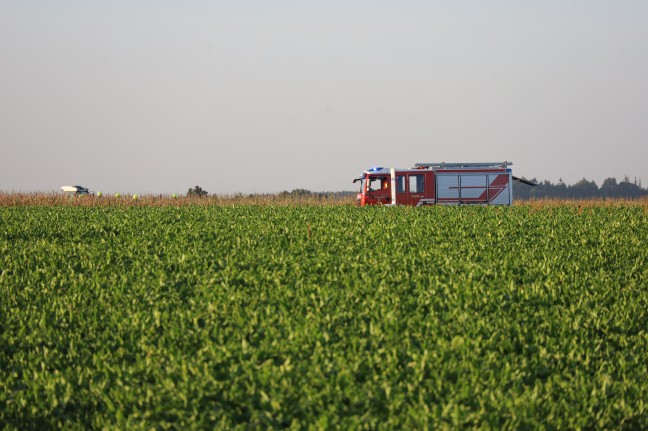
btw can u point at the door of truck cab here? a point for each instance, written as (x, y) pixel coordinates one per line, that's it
(378, 190)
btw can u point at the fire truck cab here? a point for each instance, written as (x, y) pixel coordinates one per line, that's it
(438, 183)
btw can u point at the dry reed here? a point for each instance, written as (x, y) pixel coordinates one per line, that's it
(58, 199)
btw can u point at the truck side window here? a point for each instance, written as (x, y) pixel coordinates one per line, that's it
(377, 183)
(400, 184)
(416, 183)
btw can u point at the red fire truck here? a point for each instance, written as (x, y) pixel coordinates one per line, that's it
(439, 183)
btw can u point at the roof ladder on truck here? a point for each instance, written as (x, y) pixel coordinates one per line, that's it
(482, 165)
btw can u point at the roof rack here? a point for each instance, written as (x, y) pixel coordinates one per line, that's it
(444, 165)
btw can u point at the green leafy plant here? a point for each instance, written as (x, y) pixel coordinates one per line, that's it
(247, 316)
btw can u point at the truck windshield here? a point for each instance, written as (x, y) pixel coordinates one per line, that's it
(377, 183)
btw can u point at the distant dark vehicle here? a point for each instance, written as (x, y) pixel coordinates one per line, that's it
(76, 190)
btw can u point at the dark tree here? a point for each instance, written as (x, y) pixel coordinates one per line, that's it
(628, 190)
(301, 193)
(583, 190)
(197, 191)
(609, 187)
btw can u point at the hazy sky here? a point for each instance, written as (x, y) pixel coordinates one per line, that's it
(264, 96)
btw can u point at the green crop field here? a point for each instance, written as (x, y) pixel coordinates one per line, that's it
(323, 317)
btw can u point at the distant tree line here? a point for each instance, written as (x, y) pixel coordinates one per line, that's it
(583, 189)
